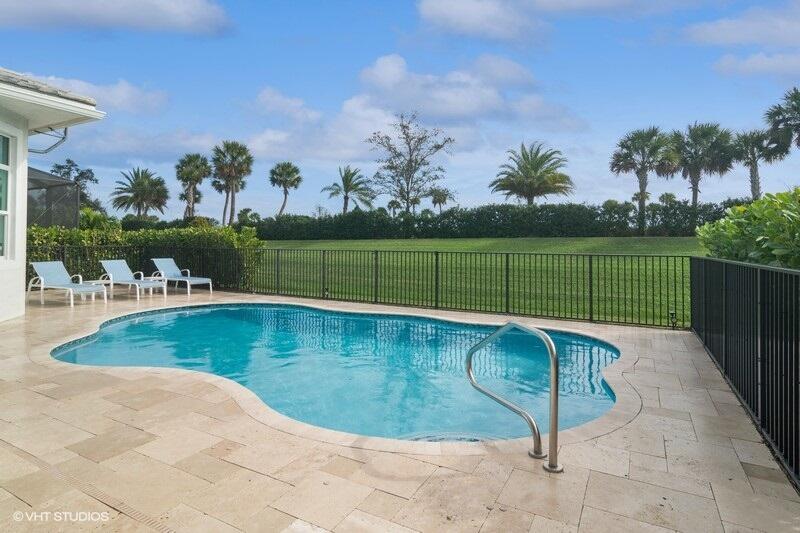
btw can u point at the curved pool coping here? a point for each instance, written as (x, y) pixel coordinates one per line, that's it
(627, 406)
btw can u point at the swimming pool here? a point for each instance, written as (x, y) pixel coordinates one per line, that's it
(370, 374)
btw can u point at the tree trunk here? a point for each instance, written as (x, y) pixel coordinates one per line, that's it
(225, 208)
(233, 206)
(641, 216)
(755, 182)
(529, 200)
(344, 207)
(285, 198)
(695, 183)
(192, 192)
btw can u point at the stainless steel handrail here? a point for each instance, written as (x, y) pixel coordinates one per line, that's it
(552, 463)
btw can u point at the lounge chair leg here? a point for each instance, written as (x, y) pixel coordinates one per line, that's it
(188, 289)
(210, 289)
(137, 292)
(41, 294)
(151, 291)
(105, 296)
(93, 297)
(71, 298)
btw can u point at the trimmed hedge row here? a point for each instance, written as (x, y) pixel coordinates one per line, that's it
(611, 219)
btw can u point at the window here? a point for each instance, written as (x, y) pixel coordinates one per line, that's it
(5, 169)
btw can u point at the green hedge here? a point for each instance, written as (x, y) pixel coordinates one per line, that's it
(197, 249)
(766, 231)
(668, 217)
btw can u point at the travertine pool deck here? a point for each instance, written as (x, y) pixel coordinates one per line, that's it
(142, 449)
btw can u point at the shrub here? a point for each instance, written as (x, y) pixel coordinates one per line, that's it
(611, 219)
(196, 248)
(766, 231)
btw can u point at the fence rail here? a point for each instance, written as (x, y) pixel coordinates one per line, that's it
(650, 290)
(748, 317)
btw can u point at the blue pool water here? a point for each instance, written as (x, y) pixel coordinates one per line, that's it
(378, 375)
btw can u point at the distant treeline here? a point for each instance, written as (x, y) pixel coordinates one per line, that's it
(668, 217)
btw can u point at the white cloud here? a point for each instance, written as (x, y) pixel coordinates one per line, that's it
(185, 16)
(764, 26)
(273, 101)
(487, 89)
(760, 63)
(121, 95)
(501, 70)
(493, 19)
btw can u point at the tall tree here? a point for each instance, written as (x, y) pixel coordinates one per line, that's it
(406, 168)
(393, 206)
(784, 120)
(704, 148)
(351, 186)
(286, 176)
(641, 152)
(752, 147)
(140, 190)
(232, 162)
(191, 170)
(532, 173)
(82, 177)
(440, 196)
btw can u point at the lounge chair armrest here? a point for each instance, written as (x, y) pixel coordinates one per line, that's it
(80, 278)
(141, 274)
(187, 272)
(105, 276)
(157, 274)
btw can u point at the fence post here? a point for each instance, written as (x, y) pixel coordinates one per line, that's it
(591, 288)
(277, 271)
(759, 343)
(324, 274)
(375, 277)
(436, 279)
(725, 317)
(508, 283)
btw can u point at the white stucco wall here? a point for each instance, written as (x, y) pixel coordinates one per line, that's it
(12, 266)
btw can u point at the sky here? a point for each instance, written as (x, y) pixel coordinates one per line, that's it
(309, 81)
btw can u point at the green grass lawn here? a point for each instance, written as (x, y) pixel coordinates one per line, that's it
(588, 245)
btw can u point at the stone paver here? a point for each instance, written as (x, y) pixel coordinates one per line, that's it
(190, 452)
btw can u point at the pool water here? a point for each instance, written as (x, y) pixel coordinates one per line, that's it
(378, 375)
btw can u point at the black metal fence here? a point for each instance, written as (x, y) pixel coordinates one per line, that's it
(627, 289)
(748, 317)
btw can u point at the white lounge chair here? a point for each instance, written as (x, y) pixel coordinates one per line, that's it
(53, 275)
(118, 272)
(169, 271)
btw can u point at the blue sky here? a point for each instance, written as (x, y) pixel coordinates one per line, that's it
(308, 81)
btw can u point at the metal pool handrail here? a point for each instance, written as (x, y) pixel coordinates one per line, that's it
(552, 463)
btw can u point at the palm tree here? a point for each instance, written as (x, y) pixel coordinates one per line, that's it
(353, 186)
(191, 170)
(393, 206)
(440, 196)
(784, 120)
(232, 163)
(413, 203)
(704, 148)
(141, 190)
(286, 176)
(642, 152)
(751, 147)
(532, 173)
(183, 197)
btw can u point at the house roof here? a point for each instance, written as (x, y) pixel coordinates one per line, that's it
(43, 106)
(26, 82)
